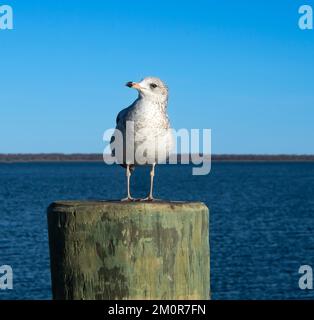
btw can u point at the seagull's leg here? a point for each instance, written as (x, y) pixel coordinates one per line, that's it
(152, 174)
(128, 175)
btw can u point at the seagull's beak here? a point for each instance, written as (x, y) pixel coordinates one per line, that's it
(133, 85)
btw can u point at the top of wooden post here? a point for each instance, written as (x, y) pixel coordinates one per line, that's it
(159, 205)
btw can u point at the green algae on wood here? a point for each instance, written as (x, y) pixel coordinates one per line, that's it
(129, 250)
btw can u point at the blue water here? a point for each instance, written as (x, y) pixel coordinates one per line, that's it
(262, 220)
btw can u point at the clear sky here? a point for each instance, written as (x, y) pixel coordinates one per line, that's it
(242, 68)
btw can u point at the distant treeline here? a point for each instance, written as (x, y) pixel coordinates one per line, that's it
(53, 157)
(29, 157)
(262, 157)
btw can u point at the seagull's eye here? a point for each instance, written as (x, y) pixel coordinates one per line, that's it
(153, 85)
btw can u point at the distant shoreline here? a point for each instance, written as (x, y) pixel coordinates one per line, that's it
(93, 157)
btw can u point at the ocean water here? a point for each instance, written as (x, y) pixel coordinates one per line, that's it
(261, 220)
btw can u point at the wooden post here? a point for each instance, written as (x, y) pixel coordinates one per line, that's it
(129, 250)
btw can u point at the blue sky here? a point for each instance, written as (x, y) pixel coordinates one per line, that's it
(242, 68)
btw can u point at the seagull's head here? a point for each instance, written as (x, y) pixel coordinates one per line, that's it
(150, 88)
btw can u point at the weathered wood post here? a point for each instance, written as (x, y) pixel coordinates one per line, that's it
(129, 250)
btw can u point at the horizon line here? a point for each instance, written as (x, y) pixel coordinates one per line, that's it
(180, 158)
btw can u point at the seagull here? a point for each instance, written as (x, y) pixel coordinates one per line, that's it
(145, 130)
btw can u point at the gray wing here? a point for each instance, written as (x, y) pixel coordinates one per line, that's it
(121, 125)
(120, 122)
(121, 117)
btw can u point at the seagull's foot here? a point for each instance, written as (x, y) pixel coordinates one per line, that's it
(128, 199)
(150, 199)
